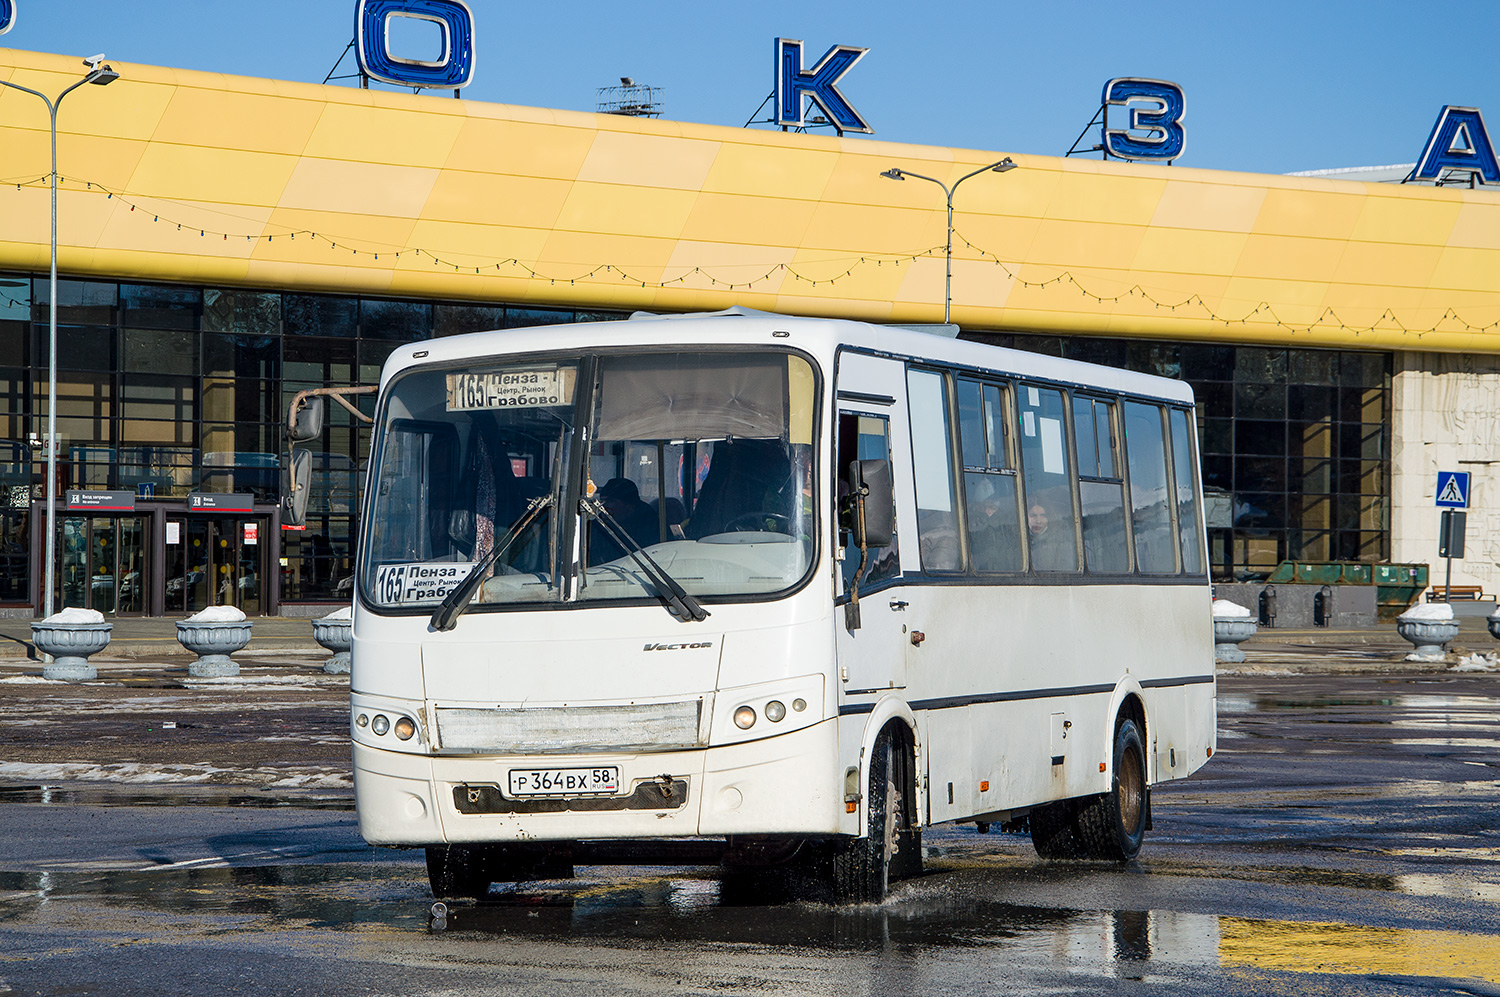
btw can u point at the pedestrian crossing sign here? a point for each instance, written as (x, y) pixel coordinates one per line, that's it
(1453, 490)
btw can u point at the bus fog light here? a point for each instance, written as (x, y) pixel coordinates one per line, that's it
(744, 718)
(380, 724)
(405, 728)
(799, 705)
(363, 720)
(775, 710)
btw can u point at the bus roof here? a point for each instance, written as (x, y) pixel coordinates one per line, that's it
(820, 337)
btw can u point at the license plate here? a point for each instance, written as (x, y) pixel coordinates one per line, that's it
(564, 782)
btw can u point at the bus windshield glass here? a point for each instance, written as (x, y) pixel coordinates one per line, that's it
(700, 463)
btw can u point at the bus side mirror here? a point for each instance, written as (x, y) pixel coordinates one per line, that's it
(870, 484)
(305, 422)
(296, 486)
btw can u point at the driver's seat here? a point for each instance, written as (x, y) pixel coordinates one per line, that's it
(745, 477)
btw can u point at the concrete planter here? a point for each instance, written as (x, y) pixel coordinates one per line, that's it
(213, 642)
(337, 634)
(1229, 631)
(70, 645)
(1428, 637)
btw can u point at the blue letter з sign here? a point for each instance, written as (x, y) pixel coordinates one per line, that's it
(7, 15)
(372, 25)
(1155, 130)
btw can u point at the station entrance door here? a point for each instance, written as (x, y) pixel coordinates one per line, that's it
(216, 561)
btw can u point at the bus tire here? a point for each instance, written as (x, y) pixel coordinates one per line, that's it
(1113, 825)
(457, 873)
(1110, 826)
(864, 868)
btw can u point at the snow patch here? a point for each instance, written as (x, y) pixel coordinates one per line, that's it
(32, 680)
(138, 774)
(1224, 609)
(76, 616)
(1430, 612)
(347, 613)
(1478, 663)
(217, 614)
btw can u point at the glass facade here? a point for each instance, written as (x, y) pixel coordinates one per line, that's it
(1296, 444)
(165, 390)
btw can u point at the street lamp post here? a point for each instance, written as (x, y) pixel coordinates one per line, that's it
(101, 74)
(895, 173)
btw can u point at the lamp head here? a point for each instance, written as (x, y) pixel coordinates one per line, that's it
(893, 174)
(1005, 165)
(103, 76)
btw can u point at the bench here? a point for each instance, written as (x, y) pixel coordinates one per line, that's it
(1456, 593)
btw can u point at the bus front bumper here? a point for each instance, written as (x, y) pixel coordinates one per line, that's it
(787, 784)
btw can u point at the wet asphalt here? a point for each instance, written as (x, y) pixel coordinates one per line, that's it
(1343, 840)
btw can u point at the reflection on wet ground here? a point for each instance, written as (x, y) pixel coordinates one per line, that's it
(1345, 842)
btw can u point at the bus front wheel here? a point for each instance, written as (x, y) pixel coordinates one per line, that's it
(891, 849)
(1110, 826)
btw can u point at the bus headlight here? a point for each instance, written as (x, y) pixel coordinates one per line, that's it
(380, 724)
(744, 718)
(405, 728)
(775, 710)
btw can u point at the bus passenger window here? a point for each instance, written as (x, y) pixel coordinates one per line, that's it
(1051, 519)
(989, 478)
(862, 437)
(1146, 454)
(1100, 488)
(937, 520)
(1183, 462)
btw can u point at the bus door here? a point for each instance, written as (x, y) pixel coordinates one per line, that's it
(871, 425)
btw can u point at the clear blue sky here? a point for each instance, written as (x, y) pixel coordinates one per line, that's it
(1272, 85)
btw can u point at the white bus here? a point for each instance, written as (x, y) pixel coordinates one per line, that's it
(771, 590)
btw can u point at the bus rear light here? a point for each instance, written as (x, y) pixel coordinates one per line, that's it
(744, 718)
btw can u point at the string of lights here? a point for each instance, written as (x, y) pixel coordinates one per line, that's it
(1262, 314)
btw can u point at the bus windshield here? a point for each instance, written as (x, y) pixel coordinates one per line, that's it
(701, 460)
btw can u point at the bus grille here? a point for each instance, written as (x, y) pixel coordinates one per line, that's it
(571, 729)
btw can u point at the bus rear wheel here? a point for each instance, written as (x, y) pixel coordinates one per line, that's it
(1110, 826)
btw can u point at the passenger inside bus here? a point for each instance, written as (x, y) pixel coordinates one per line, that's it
(994, 537)
(748, 487)
(1051, 550)
(622, 500)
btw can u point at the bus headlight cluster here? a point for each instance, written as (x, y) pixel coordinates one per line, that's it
(405, 728)
(774, 710)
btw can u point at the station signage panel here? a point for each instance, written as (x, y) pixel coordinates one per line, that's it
(85, 501)
(221, 502)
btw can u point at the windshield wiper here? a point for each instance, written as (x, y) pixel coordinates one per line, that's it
(678, 602)
(445, 617)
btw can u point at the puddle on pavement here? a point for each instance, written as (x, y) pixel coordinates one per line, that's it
(117, 795)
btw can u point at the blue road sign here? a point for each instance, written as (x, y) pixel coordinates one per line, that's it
(1453, 490)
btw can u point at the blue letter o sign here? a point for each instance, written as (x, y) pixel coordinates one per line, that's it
(455, 68)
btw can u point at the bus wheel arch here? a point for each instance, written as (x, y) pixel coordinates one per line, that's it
(1111, 825)
(889, 845)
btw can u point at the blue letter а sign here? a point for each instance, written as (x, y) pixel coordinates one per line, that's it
(1459, 141)
(453, 68)
(820, 83)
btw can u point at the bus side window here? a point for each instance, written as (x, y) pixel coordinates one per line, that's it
(1150, 513)
(1100, 487)
(990, 501)
(1051, 519)
(1188, 523)
(937, 518)
(862, 437)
